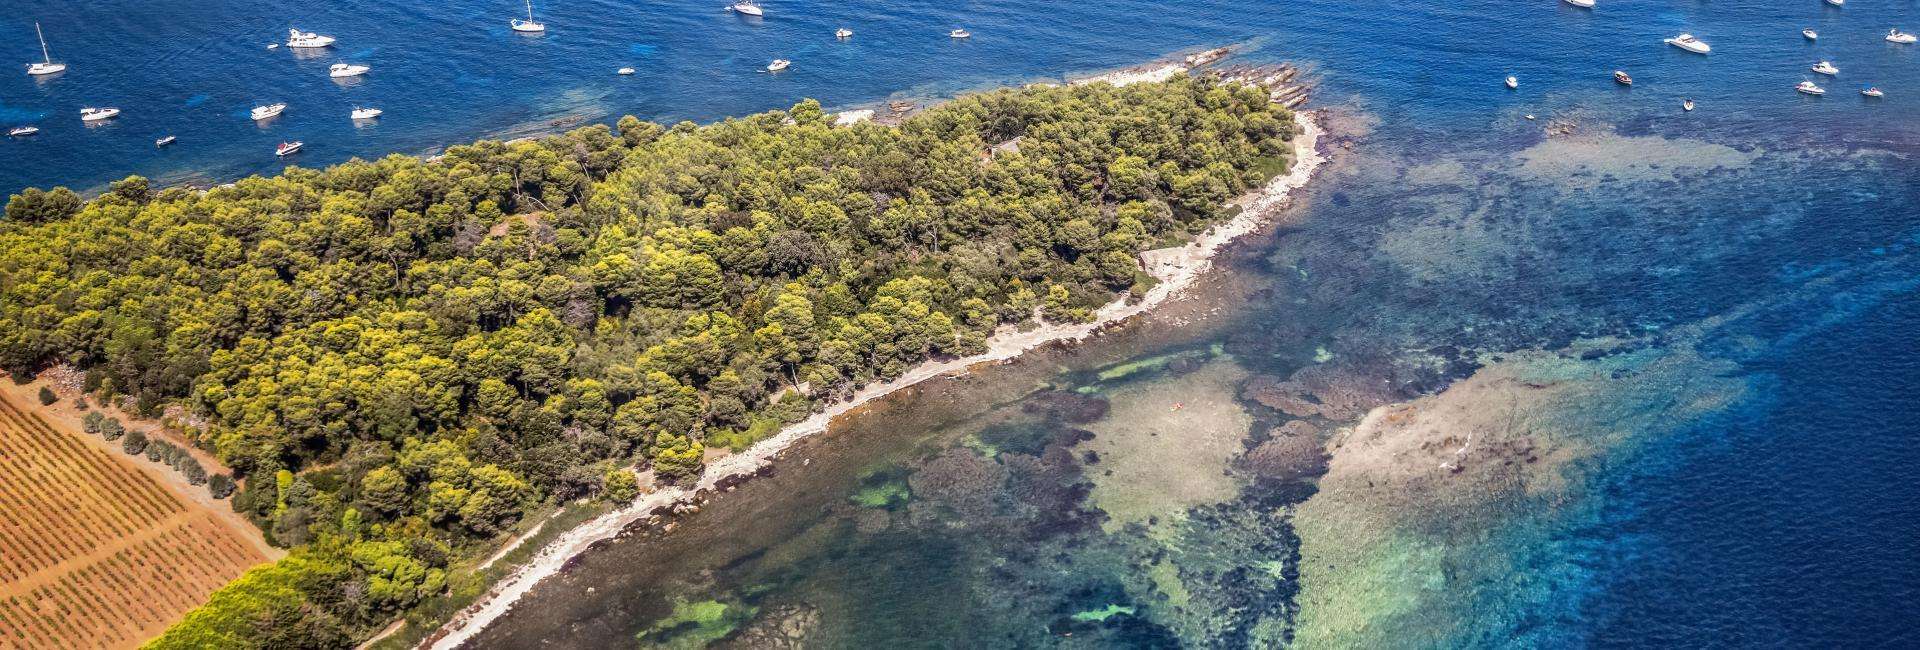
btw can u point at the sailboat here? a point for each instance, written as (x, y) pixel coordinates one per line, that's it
(46, 66)
(528, 25)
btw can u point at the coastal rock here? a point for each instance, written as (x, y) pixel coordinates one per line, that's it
(1320, 391)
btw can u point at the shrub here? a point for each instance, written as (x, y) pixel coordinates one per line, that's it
(135, 443)
(111, 429)
(157, 450)
(218, 485)
(91, 423)
(195, 473)
(47, 398)
(81, 403)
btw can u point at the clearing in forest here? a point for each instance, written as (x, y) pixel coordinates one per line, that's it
(95, 553)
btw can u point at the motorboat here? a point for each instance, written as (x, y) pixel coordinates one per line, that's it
(288, 147)
(746, 8)
(1837, 3)
(1686, 104)
(268, 112)
(528, 26)
(342, 70)
(297, 38)
(1583, 4)
(1530, 116)
(91, 114)
(1871, 91)
(1810, 88)
(778, 65)
(366, 113)
(1810, 34)
(1689, 43)
(46, 65)
(165, 141)
(1621, 77)
(1512, 82)
(843, 33)
(23, 130)
(1825, 68)
(624, 71)
(960, 33)
(1897, 36)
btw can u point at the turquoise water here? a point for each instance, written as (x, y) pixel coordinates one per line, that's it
(1713, 449)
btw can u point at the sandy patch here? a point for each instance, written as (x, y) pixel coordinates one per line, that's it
(1166, 446)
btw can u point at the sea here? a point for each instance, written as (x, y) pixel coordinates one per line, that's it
(1615, 374)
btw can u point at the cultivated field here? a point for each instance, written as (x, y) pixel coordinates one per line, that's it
(95, 553)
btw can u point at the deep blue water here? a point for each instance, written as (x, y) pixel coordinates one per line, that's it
(451, 72)
(1788, 520)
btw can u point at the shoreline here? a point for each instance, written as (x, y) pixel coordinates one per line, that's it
(1176, 269)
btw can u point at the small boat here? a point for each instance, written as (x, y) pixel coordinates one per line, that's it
(1825, 68)
(288, 147)
(778, 65)
(366, 113)
(1810, 88)
(1810, 34)
(23, 130)
(45, 65)
(843, 33)
(527, 26)
(1530, 116)
(1583, 4)
(1686, 104)
(624, 71)
(268, 112)
(1689, 43)
(1871, 91)
(165, 141)
(1837, 3)
(960, 33)
(1622, 78)
(1897, 36)
(343, 70)
(1512, 82)
(297, 38)
(746, 8)
(91, 114)
(273, 46)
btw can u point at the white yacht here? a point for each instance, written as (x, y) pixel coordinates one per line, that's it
(339, 70)
(1583, 4)
(288, 147)
(960, 33)
(366, 113)
(1689, 43)
(23, 130)
(1810, 34)
(1512, 82)
(269, 111)
(778, 65)
(297, 38)
(165, 141)
(1897, 36)
(746, 8)
(843, 33)
(91, 114)
(528, 25)
(1810, 88)
(1871, 91)
(624, 71)
(1825, 68)
(46, 64)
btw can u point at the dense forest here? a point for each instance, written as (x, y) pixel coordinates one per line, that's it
(401, 357)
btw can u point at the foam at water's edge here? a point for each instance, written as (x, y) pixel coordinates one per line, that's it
(1176, 270)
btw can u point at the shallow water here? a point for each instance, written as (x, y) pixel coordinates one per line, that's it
(1755, 257)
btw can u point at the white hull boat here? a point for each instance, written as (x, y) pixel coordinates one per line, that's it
(1512, 83)
(1837, 3)
(960, 33)
(1810, 34)
(746, 8)
(1810, 88)
(843, 33)
(165, 141)
(1689, 43)
(23, 130)
(297, 38)
(1897, 36)
(527, 26)
(778, 65)
(624, 72)
(1583, 4)
(269, 111)
(46, 65)
(1686, 105)
(343, 70)
(91, 114)
(1825, 68)
(288, 148)
(366, 113)
(1871, 91)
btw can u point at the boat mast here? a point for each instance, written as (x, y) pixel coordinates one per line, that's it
(43, 41)
(529, 10)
